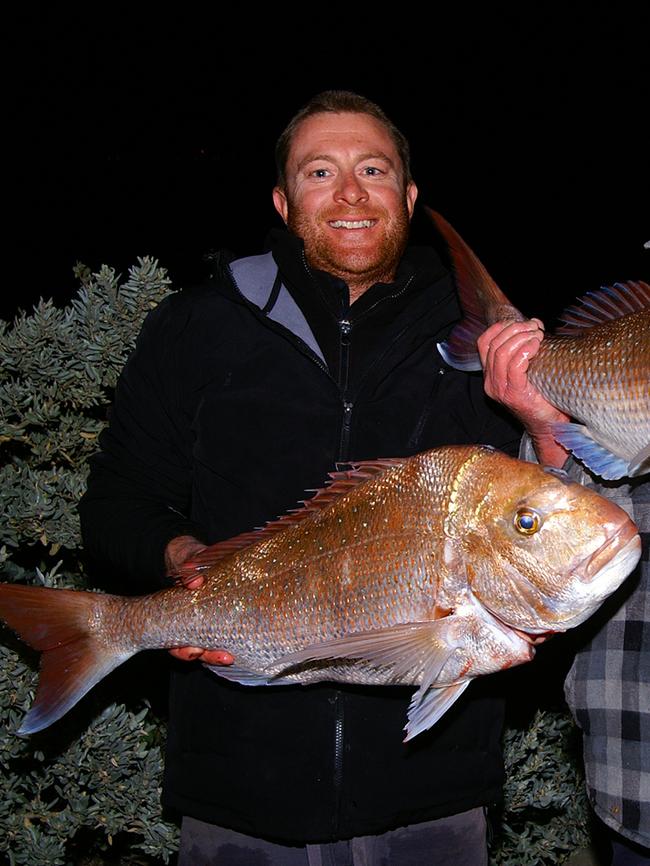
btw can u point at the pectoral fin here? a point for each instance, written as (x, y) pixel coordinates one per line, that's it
(415, 651)
(601, 461)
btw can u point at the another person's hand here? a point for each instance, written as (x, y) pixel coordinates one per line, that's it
(178, 551)
(505, 349)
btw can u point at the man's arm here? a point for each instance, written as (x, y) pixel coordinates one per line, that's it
(505, 349)
(134, 515)
(139, 487)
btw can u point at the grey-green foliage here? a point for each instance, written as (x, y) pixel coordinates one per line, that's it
(69, 797)
(88, 790)
(545, 813)
(57, 371)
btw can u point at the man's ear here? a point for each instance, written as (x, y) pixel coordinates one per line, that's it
(280, 202)
(411, 196)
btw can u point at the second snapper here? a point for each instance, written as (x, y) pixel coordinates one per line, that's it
(426, 571)
(595, 368)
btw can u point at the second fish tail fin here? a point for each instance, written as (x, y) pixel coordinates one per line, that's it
(62, 625)
(481, 300)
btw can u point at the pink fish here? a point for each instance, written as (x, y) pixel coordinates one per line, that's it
(426, 571)
(595, 368)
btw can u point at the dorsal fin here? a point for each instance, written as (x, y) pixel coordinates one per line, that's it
(341, 483)
(605, 305)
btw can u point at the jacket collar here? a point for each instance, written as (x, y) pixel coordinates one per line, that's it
(419, 268)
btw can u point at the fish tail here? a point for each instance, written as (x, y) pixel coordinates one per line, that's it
(61, 624)
(481, 300)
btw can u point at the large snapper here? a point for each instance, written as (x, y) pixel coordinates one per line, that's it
(595, 368)
(426, 571)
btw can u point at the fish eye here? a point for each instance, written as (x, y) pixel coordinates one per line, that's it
(527, 521)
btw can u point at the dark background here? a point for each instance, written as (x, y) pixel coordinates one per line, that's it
(153, 134)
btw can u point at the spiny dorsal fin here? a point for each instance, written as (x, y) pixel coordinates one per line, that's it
(605, 305)
(341, 483)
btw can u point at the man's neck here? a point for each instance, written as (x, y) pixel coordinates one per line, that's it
(358, 284)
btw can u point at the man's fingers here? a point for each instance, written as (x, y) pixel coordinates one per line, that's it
(209, 657)
(506, 366)
(500, 332)
(186, 653)
(193, 582)
(217, 657)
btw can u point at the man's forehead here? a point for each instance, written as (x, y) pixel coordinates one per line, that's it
(320, 133)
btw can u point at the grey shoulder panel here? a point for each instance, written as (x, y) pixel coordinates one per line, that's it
(255, 276)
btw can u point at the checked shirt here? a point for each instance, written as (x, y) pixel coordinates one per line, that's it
(608, 686)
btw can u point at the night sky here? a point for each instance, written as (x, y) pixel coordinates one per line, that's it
(154, 136)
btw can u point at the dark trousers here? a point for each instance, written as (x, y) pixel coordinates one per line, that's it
(626, 853)
(459, 840)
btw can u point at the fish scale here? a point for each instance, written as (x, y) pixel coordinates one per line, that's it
(603, 372)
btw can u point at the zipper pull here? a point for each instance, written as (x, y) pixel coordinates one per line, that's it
(345, 327)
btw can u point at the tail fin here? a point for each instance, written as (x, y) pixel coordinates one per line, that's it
(58, 623)
(481, 300)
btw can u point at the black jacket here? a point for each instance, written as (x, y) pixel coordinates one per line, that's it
(223, 418)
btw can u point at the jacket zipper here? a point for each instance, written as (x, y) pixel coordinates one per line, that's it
(345, 330)
(338, 760)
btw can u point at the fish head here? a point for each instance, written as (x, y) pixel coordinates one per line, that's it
(542, 551)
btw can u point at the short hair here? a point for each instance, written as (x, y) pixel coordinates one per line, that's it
(339, 102)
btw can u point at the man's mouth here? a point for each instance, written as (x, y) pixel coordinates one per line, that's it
(352, 224)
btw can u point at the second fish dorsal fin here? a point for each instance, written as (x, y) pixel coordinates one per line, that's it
(341, 483)
(604, 305)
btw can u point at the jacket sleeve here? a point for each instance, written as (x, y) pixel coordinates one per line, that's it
(138, 493)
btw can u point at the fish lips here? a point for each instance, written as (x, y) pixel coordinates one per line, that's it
(620, 550)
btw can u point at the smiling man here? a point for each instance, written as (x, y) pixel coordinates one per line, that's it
(346, 194)
(242, 394)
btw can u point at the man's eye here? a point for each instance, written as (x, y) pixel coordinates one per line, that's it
(373, 170)
(320, 172)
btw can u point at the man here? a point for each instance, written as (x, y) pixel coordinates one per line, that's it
(240, 395)
(608, 685)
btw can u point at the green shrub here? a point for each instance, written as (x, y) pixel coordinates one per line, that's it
(87, 790)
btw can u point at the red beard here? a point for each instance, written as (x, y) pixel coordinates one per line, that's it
(360, 257)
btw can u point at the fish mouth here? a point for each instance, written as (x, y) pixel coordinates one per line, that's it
(611, 555)
(533, 638)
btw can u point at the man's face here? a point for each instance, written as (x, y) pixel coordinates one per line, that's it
(345, 196)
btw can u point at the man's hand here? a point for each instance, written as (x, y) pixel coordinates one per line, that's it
(505, 349)
(178, 551)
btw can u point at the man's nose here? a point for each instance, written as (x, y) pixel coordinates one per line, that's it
(350, 189)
